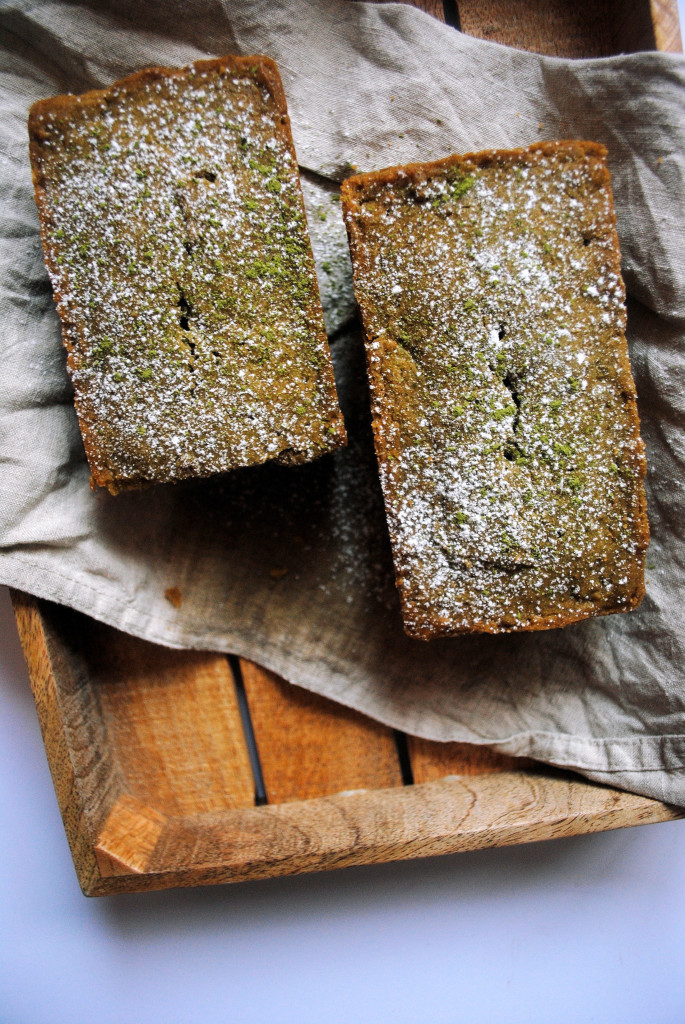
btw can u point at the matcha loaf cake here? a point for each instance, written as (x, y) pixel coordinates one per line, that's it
(504, 409)
(174, 233)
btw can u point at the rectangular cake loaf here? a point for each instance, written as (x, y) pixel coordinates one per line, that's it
(174, 233)
(504, 409)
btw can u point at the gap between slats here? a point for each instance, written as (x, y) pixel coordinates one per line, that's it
(260, 797)
(303, 746)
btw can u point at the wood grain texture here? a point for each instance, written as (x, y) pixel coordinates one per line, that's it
(309, 746)
(174, 720)
(121, 843)
(145, 745)
(133, 733)
(128, 838)
(447, 816)
(666, 25)
(560, 28)
(633, 27)
(430, 760)
(85, 777)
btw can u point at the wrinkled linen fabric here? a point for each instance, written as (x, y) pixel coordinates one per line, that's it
(291, 566)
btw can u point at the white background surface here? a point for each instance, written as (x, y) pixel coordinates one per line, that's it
(589, 929)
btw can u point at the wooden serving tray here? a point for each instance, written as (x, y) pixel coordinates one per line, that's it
(184, 768)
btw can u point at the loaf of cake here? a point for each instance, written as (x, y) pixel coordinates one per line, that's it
(504, 409)
(174, 233)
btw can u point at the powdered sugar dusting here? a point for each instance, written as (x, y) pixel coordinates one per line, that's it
(178, 252)
(504, 408)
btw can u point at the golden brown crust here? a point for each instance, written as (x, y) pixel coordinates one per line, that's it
(265, 70)
(406, 377)
(358, 184)
(63, 111)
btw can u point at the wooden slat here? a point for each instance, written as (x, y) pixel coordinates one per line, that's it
(173, 717)
(557, 27)
(666, 25)
(310, 747)
(430, 760)
(564, 29)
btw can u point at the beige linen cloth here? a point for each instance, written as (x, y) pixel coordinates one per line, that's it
(291, 566)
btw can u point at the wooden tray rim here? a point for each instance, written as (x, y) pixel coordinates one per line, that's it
(137, 848)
